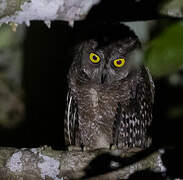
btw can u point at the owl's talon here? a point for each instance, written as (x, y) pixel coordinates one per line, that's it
(74, 148)
(85, 148)
(113, 147)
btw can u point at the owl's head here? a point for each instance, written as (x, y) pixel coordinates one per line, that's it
(105, 53)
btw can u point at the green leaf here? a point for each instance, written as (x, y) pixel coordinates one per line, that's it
(7, 37)
(172, 8)
(164, 54)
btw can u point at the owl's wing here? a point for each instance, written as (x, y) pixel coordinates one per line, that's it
(132, 124)
(145, 99)
(71, 120)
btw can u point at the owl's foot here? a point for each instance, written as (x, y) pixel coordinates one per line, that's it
(74, 148)
(86, 148)
(113, 147)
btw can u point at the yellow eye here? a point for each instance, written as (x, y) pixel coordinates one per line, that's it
(119, 62)
(94, 58)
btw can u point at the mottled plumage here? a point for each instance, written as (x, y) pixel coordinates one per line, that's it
(108, 105)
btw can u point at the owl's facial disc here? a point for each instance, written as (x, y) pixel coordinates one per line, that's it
(107, 64)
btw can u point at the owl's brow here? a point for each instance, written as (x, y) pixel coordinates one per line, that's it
(93, 43)
(94, 47)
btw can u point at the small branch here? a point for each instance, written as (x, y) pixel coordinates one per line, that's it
(45, 163)
(20, 11)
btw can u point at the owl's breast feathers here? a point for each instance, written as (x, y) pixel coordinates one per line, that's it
(97, 108)
(116, 114)
(96, 111)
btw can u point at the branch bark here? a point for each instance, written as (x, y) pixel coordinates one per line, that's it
(44, 163)
(20, 11)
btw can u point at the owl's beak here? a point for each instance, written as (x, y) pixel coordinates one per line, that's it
(103, 77)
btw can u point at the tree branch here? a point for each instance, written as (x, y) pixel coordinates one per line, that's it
(20, 11)
(45, 163)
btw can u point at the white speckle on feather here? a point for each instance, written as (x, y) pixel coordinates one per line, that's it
(14, 163)
(101, 142)
(100, 117)
(94, 97)
(49, 167)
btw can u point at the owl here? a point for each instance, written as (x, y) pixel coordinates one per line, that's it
(110, 96)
